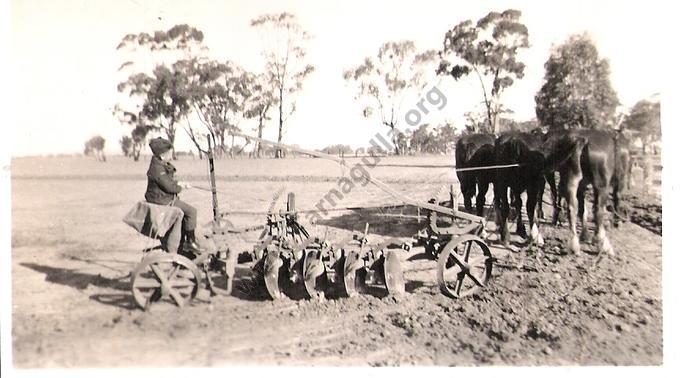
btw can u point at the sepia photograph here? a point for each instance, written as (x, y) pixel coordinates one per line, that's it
(296, 183)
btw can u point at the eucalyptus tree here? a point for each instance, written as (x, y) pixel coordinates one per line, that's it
(488, 48)
(284, 52)
(149, 82)
(383, 81)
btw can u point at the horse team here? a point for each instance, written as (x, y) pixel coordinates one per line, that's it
(579, 157)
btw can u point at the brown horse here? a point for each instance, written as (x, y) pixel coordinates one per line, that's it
(474, 150)
(535, 157)
(604, 163)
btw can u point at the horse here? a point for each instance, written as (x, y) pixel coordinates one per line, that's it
(604, 163)
(474, 150)
(535, 157)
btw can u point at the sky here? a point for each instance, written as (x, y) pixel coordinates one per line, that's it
(64, 62)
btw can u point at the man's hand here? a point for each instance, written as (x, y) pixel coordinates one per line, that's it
(184, 185)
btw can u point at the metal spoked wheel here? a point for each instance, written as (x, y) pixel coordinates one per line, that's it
(166, 277)
(464, 266)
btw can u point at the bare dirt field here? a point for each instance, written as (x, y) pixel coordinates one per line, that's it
(72, 307)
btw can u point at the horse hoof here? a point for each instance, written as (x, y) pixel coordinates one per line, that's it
(574, 246)
(522, 232)
(484, 234)
(586, 237)
(536, 236)
(605, 246)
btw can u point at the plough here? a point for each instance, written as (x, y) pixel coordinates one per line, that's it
(464, 260)
(286, 257)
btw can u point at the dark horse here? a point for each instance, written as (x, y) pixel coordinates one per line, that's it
(535, 157)
(603, 163)
(474, 150)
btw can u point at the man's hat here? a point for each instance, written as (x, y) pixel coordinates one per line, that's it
(159, 146)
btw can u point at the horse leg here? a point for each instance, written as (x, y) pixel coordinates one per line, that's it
(532, 200)
(583, 213)
(620, 209)
(539, 203)
(481, 196)
(467, 187)
(572, 204)
(556, 197)
(603, 244)
(521, 231)
(501, 208)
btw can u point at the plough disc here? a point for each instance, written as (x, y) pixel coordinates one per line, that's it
(314, 274)
(394, 275)
(272, 268)
(352, 273)
(165, 277)
(464, 266)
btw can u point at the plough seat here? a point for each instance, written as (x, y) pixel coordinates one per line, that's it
(158, 222)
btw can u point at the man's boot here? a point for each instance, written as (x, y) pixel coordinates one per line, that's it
(190, 245)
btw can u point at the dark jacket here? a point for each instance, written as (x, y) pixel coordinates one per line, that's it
(162, 187)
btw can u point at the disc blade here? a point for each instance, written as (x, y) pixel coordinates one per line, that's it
(352, 264)
(394, 275)
(313, 268)
(272, 265)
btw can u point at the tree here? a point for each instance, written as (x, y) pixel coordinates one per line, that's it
(645, 119)
(488, 48)
(219, 93)
(152, 87)
(446, 138)
(382, 82)
(95, 145)
(261, 101)
(126, 146)
(284, 54)
(338, 149)
(576, 91)
(167, 100)
(138, 134)
(140, 129)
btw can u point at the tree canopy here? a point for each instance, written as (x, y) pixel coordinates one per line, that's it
(95, 145)
(576, 91)
(489, 48)
(284, 52)
(383, 81)
(645, 120)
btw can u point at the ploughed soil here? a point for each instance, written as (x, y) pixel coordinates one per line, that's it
(72, 307)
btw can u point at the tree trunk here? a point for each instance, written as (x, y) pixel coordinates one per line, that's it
(278, 150)
(170, 132)
(260, 126)
(394, 140)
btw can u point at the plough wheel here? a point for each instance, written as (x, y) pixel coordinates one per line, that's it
(168, 277)
(353, 277)
(272, 268)
(464, 266)
(394, 275)
(313, 272)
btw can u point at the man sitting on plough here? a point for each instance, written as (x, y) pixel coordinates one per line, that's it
(163, 189)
